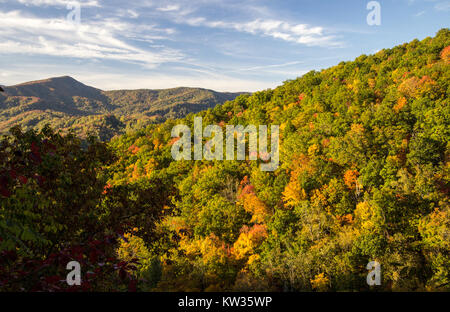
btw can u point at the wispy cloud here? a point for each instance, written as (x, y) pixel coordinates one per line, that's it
(443, 6)
(161, 81)
(133, 14)
(419, 13)
(270, 66)
(85, 3)
(27, 34)
(296, 33)
(169, 8)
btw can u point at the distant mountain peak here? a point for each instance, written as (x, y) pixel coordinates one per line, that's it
(53, 80)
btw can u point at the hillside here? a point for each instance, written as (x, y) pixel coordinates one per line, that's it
(364, 177)
(67, 103)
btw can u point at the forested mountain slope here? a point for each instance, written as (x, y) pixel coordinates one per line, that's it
(364, 176)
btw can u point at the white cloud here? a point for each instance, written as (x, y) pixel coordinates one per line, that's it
(297, 33)
(173, 7)
(270, 66)
(24, 34)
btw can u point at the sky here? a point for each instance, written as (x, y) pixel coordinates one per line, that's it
(230, 45)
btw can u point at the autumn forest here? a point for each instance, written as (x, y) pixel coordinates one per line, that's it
(364, 175)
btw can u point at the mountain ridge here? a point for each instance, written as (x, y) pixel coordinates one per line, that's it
(65, 103)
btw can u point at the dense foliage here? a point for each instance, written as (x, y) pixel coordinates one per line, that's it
(54, 208)
(364, 176)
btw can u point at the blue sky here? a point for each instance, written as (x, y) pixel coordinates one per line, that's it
(232, 45)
